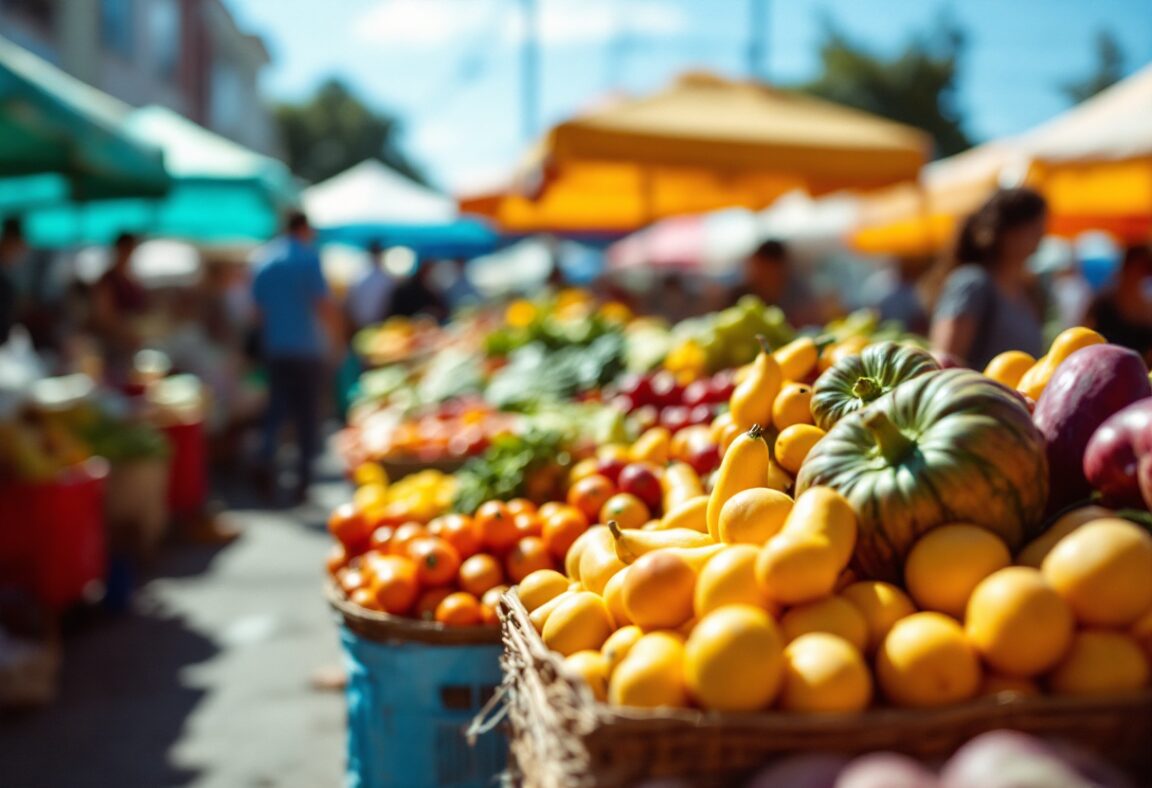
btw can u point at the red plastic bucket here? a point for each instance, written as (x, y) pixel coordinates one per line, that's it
(52, 539)
(188, 471)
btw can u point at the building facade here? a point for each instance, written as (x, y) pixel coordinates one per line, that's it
(187, 55)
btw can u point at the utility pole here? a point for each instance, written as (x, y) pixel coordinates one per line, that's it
(530, 69)
(758, 25)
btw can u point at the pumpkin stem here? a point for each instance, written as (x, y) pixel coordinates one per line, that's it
(894, 445)
(755, 431)
(866, 389)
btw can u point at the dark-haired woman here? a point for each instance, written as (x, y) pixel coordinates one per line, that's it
(987, 301)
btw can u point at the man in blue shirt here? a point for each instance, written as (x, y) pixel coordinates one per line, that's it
(296, 314)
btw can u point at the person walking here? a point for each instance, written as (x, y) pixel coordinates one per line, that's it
(297, 319)
(119, 301)
(370, 299)
(1123, 312)
(988, 300)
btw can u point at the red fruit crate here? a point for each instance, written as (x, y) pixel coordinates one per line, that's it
(52, 539)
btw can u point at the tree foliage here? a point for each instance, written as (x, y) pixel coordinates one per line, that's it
(1107, 70)
(916, 86)
(334, 130)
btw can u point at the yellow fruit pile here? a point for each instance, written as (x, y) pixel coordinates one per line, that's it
(741, 600)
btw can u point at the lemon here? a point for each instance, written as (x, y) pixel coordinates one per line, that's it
(834, 616)
(753, 516)
(882, 605)
(582, 622)
(1104, 571)
(733, 659)
(541, 586)
(614, 598)
(729, 578)
(796, 568)
(926, 661)
(1100, 662)
(824, 673)
(592, 667)
(1019, 625)
(652, 675)
(619, 644)
(947, 563)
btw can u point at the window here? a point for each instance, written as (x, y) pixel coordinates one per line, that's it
(164, 36)
(116, 23)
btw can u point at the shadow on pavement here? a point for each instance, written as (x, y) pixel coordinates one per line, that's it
(122, 705)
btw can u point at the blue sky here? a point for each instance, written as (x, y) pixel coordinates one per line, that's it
(450, 68)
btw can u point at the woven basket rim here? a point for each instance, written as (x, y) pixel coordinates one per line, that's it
(513, 610)
(383, 627)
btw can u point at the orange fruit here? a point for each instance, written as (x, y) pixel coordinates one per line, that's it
(459, 531)
(528, 524)
(947, 563)
(460, 609)
(529, 554)
(590, 494)
(480, 573)
(1103, 570)
(546, 510)
(364, 597)
(489, 603)
(626, 509)
(658, 591)
(350, 579)
(396, 585)
(793, 405)
(561, 529)
(521, 506)
(437, 562)
(1100, 662)
(381, 536)
(497, 526)
(427, 602)
(337, 558)
(349, 525)
(586, 467)
(404, 536)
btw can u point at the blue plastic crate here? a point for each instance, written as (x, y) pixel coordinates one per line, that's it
(408, 707)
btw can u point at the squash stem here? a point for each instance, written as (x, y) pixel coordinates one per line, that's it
(866, 389)
(894, 444)
(765, 346)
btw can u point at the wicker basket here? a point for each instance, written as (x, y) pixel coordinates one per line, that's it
(562, 737)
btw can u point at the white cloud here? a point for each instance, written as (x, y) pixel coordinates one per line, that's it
(420, 22)
(439, 22)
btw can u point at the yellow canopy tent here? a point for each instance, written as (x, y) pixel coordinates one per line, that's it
(1093, 163)
(704, 143)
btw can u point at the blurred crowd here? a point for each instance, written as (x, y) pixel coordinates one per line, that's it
(268, 333)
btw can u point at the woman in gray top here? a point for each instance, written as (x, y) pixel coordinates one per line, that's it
(987, 303)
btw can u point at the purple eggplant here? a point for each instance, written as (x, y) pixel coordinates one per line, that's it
(1114, 454)
(1088, 387)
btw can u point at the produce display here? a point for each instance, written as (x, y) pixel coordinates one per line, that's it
(813, 524)
(873, 564)
(62, 424)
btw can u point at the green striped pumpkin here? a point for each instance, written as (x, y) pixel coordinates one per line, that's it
(946, 447)
(853, 382)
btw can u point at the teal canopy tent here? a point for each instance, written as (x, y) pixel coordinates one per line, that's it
(220, 192)
(63, 138)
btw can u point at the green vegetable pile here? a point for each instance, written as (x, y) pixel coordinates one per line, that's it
(510, 466)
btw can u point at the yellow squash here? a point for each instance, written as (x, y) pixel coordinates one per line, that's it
(1068, 342)
(751, 402)
(745, 465)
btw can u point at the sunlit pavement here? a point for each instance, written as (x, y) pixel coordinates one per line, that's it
(206, 682)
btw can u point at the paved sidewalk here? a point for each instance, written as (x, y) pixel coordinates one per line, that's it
(206, 681)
